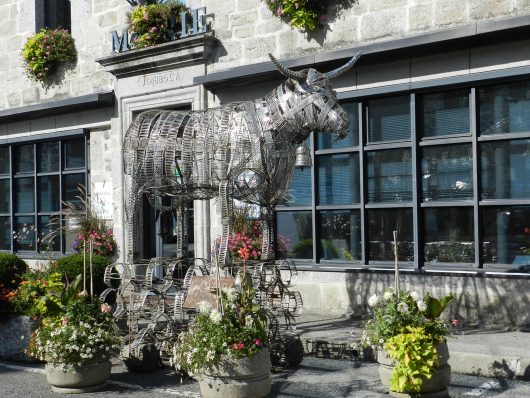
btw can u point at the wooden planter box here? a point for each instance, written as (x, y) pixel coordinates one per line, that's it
(14, 338)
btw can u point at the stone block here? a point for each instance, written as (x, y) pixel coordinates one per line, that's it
(14, 99)
(243, 5)
(254, 49)
(79, 86)
(269, 27)
(7, 27)
(244, 32)
(387, 23)
(449, 12)
(30, 95)
(343, 31)
(230, 51)
(421, 17)
(26, 17)
(378, 5)
(15, 44)
(241, 19)
(80, 10)
(289, 42)
(108, 19)
(489, 9)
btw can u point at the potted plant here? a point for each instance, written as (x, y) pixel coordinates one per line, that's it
(225, 347)
(45, 50)
(77, 344)
(302, 14)
(410, 339)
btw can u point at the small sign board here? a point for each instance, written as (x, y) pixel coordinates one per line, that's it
(102, 200)
(200, 290)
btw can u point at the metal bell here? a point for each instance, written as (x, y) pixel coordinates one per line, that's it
(303, 157)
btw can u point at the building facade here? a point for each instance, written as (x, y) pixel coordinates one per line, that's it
(438, 147)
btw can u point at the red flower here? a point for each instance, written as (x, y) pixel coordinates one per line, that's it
(234, 346)
(244, 253)
(454, 323)
(241, 346)
(257, 342)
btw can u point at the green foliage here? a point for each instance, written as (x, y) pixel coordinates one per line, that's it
(154, 23)
(238, 329)
(39, 294)
(83, 334)
(435, 307)
(45, 50)
(302, 14)
(71, 266)
(416, 356)
(11, 270)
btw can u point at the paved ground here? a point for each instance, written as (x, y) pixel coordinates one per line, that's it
(314, 378)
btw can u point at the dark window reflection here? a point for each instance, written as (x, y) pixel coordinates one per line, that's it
(5, 233)
(299, 192)
(4, 196)
(74, 154)
(71, 184)
(504, 108)
(447, 172)
(338, 179)
(506, 235)
(48, 157)
(24, 234)
(381, 224)
(4, 160)
(505, 169)
(389, 175)
(449, 235)
(24, 195)
(48, 191)
(389, 119)
(340, 235)
(295, 237)
(46, 225)
(329, 140)
(24, 159)
(445, 113)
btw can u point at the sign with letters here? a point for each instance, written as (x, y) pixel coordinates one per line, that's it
(123, 41)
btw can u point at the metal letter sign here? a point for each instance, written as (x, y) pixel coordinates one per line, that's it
(121, 43)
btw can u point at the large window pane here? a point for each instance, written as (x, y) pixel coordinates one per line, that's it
(295, 236)
(328, 141)
(340, 235)
(74, 153)
(71, 187)
(381, 224)
(505, 169)
(445, 113)
(506, 235)
(48, 191)
(4, 195)
(504, 108)
(24, 234)
(47, 224)
(389, 175)
(447, 172)
(299, 192)
(389, 119)
(449, 235)
(48, 157)
(4, 160)
(24, 159)
(5, 233)
(338, 179)
(24, 195)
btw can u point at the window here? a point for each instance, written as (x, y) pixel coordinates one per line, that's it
(447, 169)
(53, 14)
(38, 177)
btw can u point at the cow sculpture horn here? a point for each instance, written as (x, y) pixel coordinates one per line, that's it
(291, 74)
(339, 71)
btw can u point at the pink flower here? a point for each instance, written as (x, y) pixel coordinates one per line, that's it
(244, 253)
(454, 323)
(241, 346)
(105, 308)
(279, 11)
(234, 346)
(297, 5)
(146, 17)
(257, 342)
(153, 29)
(65, 321)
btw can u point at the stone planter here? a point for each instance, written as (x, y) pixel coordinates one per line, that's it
(14, 339)
(238, 378)
(435, 387)
(70, 379)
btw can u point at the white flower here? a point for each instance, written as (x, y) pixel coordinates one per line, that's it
(248, 321)
(230, 293)
(381, 341)
(415, 296)
(216, 316)
(421, 305)
(373, 300)
(204, 307)
(402, 307)
(388, 294)
(209, 356)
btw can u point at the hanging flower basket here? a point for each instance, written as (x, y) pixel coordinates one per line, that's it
(46, 50)
(302, 14)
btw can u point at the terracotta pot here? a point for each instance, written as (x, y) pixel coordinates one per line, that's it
(70, 379)
(238, 378)
(435, 387)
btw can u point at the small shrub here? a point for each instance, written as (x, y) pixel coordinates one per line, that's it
(71, 266)
(45, 50)
(11, 270)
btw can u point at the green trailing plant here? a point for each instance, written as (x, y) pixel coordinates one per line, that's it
(155, 23)
(416, 356)
(12, 268)
(302, 14)
(236, 328)
(45, 50)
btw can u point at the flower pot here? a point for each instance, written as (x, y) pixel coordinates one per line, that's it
(72, 379)
(15, 336)
(435, 387)
(238, 377)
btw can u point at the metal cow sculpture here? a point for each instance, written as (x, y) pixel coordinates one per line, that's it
(244, 151)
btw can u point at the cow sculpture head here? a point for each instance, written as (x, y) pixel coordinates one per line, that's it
(311, 101)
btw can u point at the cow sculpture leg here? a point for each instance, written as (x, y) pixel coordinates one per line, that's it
(226, 215)
(267, 245)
